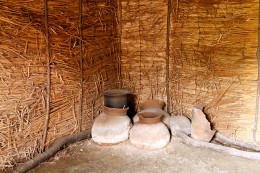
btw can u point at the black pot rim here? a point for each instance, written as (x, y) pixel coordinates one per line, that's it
(115, 92)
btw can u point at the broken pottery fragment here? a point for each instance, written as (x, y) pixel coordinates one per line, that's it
(180, 123)
(200, 126)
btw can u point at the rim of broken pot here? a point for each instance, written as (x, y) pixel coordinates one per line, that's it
(149, 117)
(115, 111)
(152, 103)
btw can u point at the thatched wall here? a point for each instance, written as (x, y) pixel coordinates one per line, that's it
(23, 66)
(23, 80)
(143, 43)
(101, 54)
(213, 60)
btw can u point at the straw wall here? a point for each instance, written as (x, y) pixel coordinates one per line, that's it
(23, 66)
(23, 88)
(101, 51)
(143, 43)
(213, 60)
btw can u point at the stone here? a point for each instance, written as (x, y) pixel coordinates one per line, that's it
(181, 123)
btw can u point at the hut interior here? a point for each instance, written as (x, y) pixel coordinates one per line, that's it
(57, 57)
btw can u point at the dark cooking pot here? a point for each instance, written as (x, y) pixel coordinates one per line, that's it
(116, 98)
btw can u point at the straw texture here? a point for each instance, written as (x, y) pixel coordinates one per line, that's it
(23, 78)
(214, 62)
(212, 59)
(143, 43)
(23, 88)
(101, 51)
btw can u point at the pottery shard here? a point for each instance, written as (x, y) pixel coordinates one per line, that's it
(149, 136)
(109, 129)
(200, 126)
(180, 123)
(165, 115)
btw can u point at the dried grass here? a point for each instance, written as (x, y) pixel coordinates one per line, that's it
(212, 58)
(23, 67)
(213, 61)
(143, 42)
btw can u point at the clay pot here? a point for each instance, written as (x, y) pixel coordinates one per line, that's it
(115, 98)
(111, 127)
(154, 103)
(115, 111)
(165, 115)
(150, 137)
(149, 117)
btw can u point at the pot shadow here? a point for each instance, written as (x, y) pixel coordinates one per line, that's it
(132, 105)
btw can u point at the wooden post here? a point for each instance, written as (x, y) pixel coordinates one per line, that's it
(81, 67)
(120, 44)
(168, 33)
(47, 115)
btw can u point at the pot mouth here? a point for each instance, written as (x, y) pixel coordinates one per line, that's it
(149, 117)
(115, 92)
(153, 103)
(115, 111)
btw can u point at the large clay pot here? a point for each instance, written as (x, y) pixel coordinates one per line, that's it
(149, 136)
(115, 98)
(111, 126)
(153, 103)
(149, 132)
(149, 117)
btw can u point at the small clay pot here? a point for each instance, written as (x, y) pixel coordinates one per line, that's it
(149, 117)
(115, 98)
(154, 103)
(115, 111)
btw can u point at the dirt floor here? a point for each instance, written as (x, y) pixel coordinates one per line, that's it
(88, 157)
